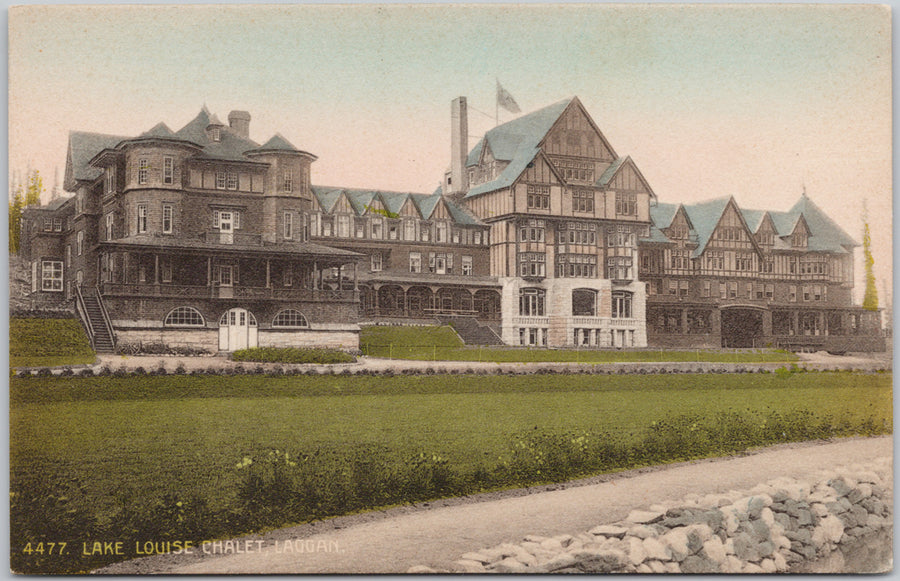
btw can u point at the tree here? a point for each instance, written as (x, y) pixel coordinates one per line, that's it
(870, 298)
(15, 219)
(34, 189)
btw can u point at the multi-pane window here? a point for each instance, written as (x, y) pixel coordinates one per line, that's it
(768, 266)
(792, 293)
(143, 171)
(626, 204)
(231, 180)
(532, 264)
(680, 258)
(288, 226)
(814, 265)
(575, 170)
(576, 265)
(683, 288)
(360, 227)
(168, 213)
(111, 179)
(52, 275)
(749, 290)
(770, 291)
(707, 288)
(538, 197)
(531, 302)
(732, 290)
(393, 230)
(409, 230)
(743, 261)
(621, 305)
(415, 262)
(620, 236)
(456, 236)
(376, 262)
(467, 265)
(578, 233)
(377, 228)
(288, 181)
(531, 231)
(57, 224)
(582, 200)
(290, 318)
(730, 233)
(168, 170)
(221, 180)
(343, 226)
(715, 260)
(440, 232)
(767, 238)
(109, 226)
(619, 268)
(79, 243)
(142, 218)
(425, 232)
(184, 317)
(723, 291)
(478, 237)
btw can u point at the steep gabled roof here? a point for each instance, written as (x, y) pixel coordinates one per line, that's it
(277, 142)
(326, 196)
(83, 146)
(426, 203)
(360, 199)
(656, 236)
(825, 234)
(521, 134)
(230, 146)
(663, 214)
(705, 217)
(509, 174)
(608, 174)
(159, 130)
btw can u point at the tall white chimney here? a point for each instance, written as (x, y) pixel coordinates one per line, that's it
(459, 146)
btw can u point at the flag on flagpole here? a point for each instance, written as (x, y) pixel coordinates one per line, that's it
(505, 100)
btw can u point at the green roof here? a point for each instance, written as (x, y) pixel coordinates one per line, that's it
(517, 142)
(360, 199)
(277, 143)
(159, 130)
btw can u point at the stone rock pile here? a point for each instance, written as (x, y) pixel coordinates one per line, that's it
(764, 530)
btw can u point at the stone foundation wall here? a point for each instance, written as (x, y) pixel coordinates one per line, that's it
(325, 339)
(207, 339)
(764, 530)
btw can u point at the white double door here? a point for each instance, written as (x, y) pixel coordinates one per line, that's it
(238, 330)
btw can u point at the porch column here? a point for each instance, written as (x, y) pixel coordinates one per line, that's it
(340, 277)
(821, 323)
(355, 276)
(375, 289)
(125, 267)
(209, 271)
(797, 323)
(315, 275)
(156, 269)
(684, 322)
(268, 272)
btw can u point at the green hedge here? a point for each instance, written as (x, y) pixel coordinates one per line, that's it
(34, 341)
(292, 355)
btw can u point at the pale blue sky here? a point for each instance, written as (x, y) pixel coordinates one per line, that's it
(750, 101)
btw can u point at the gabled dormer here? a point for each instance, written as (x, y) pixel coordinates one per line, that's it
(680, 227)
(766, 232)
(799, 237)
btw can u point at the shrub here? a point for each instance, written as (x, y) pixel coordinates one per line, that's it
(67, 372)
(86, 372)
(139, 371)
(180, 370)
(292, 355)
(45, 372)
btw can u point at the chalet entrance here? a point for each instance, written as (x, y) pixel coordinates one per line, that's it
(238, 330)
(740, 327)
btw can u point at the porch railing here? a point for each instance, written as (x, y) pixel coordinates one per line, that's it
(235, 292)
(83, 314)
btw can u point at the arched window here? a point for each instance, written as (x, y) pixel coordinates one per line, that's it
(290, 318)
(184, 317)
(584, 302)
(531, 302)
(237, 317)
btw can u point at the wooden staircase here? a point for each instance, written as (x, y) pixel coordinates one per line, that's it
(96, 321)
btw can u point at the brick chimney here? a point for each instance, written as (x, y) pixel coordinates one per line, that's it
(459, 146)
(239, 121)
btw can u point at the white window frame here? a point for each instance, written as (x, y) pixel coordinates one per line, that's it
(231, 180)
(376, 262)
(168, 218)
(466, 265)
(288, 222)
(415, 262)
(52, 276)
(143, 171)
(168, 170)
(288, 181)
(141, 218)
(221, 180)
(110, 225)
(110, 181)
(79, 243)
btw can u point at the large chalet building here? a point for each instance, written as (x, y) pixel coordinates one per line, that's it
(540, 235)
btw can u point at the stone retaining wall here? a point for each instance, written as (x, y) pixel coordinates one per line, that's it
(764, 530)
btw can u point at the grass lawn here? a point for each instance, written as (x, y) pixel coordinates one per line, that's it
(141, 437)
(442, 344)
(48, 342)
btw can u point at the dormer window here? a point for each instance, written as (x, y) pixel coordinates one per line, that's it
(215, 134)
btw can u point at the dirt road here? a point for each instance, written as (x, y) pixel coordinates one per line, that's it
(437, 536)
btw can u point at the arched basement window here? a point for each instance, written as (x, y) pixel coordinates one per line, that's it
(184, 317)
(290, 318)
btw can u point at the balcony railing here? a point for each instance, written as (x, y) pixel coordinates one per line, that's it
(236, 237)
(235, 292)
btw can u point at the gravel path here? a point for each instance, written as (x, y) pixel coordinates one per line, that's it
(392, 541)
